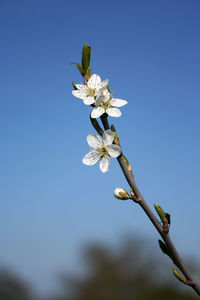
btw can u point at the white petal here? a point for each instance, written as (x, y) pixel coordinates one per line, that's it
(81, 87)
(118, 102)
(103, 84)
(88, 100)
(104, 164)
(97, 112)
(108, 137)
(91, 158)
(94, 81)
(79, 94)
(113, 112)
(114, 150)
(94, 141)
(103, 96)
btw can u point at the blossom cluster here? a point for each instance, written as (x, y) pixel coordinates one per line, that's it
(96, 93)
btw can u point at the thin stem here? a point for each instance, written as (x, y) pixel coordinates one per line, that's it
(140, 200)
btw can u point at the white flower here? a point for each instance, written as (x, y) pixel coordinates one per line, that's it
(121, 194)
(106, 104)
(103, 150)
(91, 90)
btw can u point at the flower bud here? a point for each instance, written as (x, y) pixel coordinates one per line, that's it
(121, 194)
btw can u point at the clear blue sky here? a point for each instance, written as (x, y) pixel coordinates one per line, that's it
(52, 204)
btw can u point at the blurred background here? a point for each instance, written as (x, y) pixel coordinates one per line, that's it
(62, 233)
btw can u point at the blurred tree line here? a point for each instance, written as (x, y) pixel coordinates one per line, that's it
(132, 271)
(12, 287)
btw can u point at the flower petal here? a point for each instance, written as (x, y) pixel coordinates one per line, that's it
(79, 94)
(94, 141)
(88, 100)
(104, 164)
(94, 81)
(103, 96)
(103, 84)
(81, 87)
(118, 102)
(91, 158)
(114, 150)
(108, 137)
(97, 112)
(113, 112)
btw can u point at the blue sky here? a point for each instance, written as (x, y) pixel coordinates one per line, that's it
(51, 204)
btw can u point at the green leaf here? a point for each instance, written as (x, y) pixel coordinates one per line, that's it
(80, 68)
(113, 128)
(74, 85)
(88, 74)
(86, 57)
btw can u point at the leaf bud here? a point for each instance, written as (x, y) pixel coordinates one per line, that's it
(86, 52)
(180, 277)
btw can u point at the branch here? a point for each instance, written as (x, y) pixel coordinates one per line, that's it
(165, 235)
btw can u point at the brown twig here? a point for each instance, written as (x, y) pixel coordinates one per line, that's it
(163, 233)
